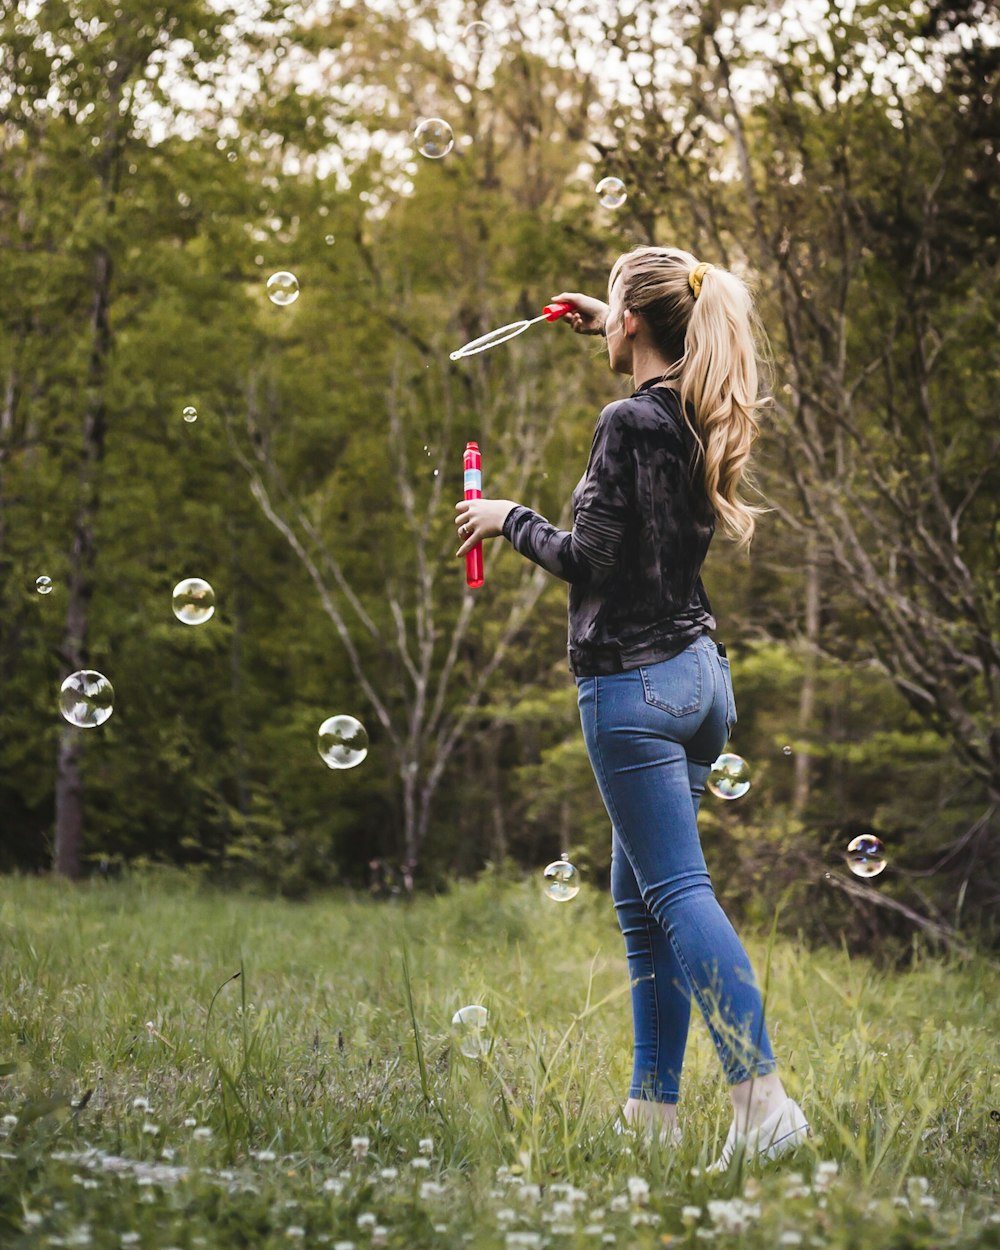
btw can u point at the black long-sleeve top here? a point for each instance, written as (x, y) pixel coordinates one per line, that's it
(642, 526)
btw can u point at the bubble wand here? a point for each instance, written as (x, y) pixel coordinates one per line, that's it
(551, 312)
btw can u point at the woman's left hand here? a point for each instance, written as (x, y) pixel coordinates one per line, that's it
(480, 518)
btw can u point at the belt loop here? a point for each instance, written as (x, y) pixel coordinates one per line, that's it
(721, 649)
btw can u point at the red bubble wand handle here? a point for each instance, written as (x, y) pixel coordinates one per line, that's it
(472, 466)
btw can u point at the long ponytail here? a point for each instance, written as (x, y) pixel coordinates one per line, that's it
(702, 318)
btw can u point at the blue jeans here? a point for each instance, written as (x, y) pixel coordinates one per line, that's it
(652, 735)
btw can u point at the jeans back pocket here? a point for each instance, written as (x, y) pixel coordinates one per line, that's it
(675, 684)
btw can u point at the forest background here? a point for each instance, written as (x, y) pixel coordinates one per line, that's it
(160, 161)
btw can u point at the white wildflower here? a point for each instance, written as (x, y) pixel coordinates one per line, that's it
(32, 1219)
(141, 1104)
(734, 1215)
(130, 1239)
(202, 1134)
(426, 1145)
(440, 1228)
(380, 1235)
(689, 1215)
(929, 1203)
(643, 1217)
(609, 1239)
(790, 1238)
(916, 1187)
(359, 1147)
(420, 1163)
(79, 1236)
(593, 1230)
(562, 1229)
(263, 1156)
(638, 1190)
(333, 1185)
(523, 1241)
(504, 1216)
(9, 1121)
(388, 1174)
(432, 1189)
(168, 1153)
(530, 1194)
(150, 1128)
(343, 1245)
(295, 1230)
(751, 1188)
(190, 1122)
(619, 1202)
(705, 1233)
(562, 1210)
(366, 1220)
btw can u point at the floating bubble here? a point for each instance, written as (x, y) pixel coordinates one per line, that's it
(343, 742)
(86, 698)
(190, 414)
(193, 601)
(43, 585)
(611, 192)
(786, 750)
(434, 138)
(562, 881)
(866, 855)
(730, 776)
(282, 288)
(477, 32)
(329, 240)
(468, 1027)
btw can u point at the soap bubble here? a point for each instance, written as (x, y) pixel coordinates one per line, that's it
(865, 855)
(611, 192)
(190, 414)
(786, 750)
(343, 742)
(231, 157)
(477, 32)
(468, 1027)
(434, 138)
(282, 288)
(562, 881)
(730, 776)
(329, 240)
(86, 698)
(43, 585)
(193, 601)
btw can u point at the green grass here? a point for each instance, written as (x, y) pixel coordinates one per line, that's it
(161, 1101)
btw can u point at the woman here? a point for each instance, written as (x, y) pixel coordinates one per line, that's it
(655, 692)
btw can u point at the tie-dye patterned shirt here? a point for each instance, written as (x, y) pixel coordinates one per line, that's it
(642, 526)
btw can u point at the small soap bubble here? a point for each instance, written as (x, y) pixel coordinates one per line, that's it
(477, 33)
(786, 750)
(730, 776)
(86, 698)
(562, 881)
(231, 157)
(343, 742)
(434, 138)
(436, 472)
(193, 601)
(282, 288)
(329, 240)
(611, 192)
(468, 1027)
(43, 585)
(190, 414)
(865, 855)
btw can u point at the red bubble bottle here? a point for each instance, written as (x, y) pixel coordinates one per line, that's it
(472, 464)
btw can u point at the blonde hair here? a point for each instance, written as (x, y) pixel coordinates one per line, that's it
(709, 330)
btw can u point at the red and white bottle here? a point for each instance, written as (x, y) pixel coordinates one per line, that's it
(472, 465)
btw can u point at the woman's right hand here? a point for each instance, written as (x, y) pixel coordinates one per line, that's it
(588, 315)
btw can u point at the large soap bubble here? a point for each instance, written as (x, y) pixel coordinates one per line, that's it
(343, 742)
(866, 855)
(730, 776)
(434, 138)
(611, 192)
(43, 585)
(193, 601)
(282, 288)
(86, 698)
(468, 1028)
(562, 881)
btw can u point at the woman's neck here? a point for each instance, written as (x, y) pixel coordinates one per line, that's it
(648, 364)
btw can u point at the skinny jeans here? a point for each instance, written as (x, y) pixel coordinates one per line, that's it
(652, 735)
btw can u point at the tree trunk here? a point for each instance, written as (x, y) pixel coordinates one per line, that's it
(807, 692)
(69, 773)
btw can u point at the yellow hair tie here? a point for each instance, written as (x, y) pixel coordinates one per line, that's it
(696, 275)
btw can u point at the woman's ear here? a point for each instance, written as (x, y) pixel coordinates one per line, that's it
(630, 323)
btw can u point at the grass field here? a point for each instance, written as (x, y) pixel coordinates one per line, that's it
(152, 1099)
